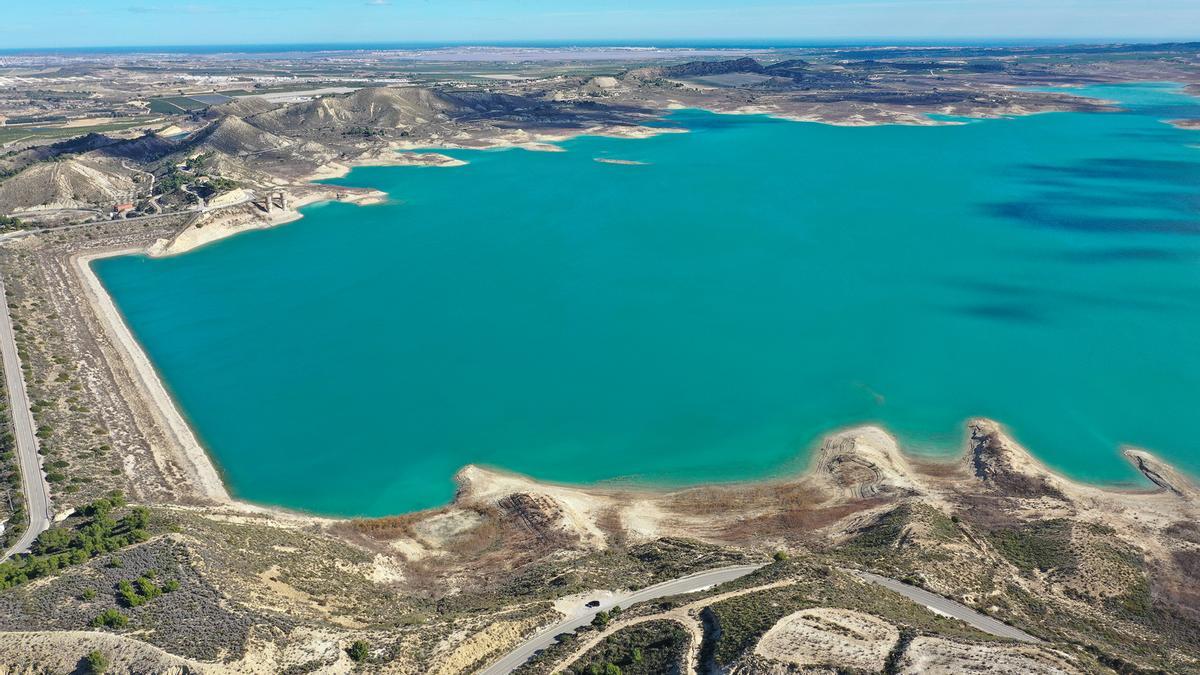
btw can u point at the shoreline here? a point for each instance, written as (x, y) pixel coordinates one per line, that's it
(227, 221)
(1160, 476)
(212, 226)
(200, 468)
(203, 470)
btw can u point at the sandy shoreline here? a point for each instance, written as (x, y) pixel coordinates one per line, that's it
(215, 225)
(198, 466)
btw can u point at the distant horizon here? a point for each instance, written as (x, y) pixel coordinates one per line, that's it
(130, 24)
(647, 43)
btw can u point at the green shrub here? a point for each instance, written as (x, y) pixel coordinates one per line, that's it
(129, 596)
(110, 618)
(96, 662)
(78, 541)
(1041, 545)
(649, 648)
(359, 651)
(600, 621)
(139, 591)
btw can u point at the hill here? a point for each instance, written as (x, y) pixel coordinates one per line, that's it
(147, 148)
(67, 184)
(241, 107)
(232, 135)
(375, 107)
(703, 68)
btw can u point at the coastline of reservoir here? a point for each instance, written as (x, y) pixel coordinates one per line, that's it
(707, 316)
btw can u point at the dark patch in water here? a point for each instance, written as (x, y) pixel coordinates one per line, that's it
(1153, 196)
(1168, 111)
(1124, 168)
(1003, 312)
(1168, 134)
(1039, 300)
(1074, 196)
(1127, 254)
(1043, 215)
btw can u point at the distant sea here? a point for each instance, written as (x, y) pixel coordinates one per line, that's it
(706, 316)
(749, 43)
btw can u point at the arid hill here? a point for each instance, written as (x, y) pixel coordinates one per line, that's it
(246, 106)
(382, 108)
(67, 184)
(233, 136)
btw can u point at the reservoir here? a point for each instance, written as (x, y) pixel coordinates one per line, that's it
(707, 313)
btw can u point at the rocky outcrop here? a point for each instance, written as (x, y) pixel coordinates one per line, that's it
(863, 463)
(540, 515)
(1159, 473)
(1006, 467)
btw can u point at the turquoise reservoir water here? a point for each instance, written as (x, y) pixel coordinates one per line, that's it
(706, 316)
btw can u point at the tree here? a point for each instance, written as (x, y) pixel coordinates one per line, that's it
(129, 596)
(600, 621)
(96, 662)
(359, 651)
(110, 618)
(780, 556)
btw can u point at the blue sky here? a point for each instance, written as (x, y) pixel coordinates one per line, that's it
(74, 23)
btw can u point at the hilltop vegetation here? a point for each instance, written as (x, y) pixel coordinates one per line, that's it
(94, 531)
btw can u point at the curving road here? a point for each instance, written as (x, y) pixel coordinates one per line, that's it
(695, 582)
(33, 481)
(948, 607)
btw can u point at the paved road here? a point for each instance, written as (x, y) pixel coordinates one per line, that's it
(33, 482)
(946, 606)
(688, 584)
